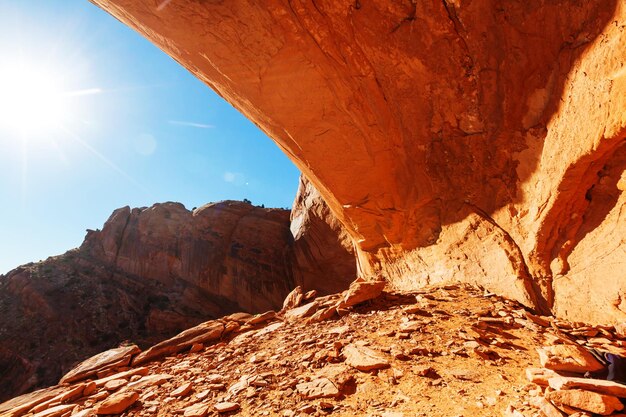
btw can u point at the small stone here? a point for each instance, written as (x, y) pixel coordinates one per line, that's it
(196, 410)
(540, 376)
(99, 396)
(117, 403)
(250, 392)
(293, 299)
(87, 412)
(299, 313)
(182, 391)
(428, 372)
(318, 388)
(392, 414)
(620, 330)
(545, 407)
(360, 291)
(466, 375)
(324, 405)
(512, 412)
(225, 407)
(115, 384)
(262, 318)
(491, 401)
(196, 347)
(411, 326)
(89, 389)
(310, 295)
(257, 381)
(240, 385)
(202, 395)
(214, 378)
(56, 411)
(364, 358)
(150, 380)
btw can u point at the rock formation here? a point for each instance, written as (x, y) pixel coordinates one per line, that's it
(323, 249)
(474, 140)
(152, 272)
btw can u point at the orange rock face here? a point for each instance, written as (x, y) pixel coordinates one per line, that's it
(463, 140)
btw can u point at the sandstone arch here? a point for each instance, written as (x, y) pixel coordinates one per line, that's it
(454, 139)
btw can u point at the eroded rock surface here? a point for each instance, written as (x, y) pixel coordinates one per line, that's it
(456, 140)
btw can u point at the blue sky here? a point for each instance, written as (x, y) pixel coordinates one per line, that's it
(140, 130)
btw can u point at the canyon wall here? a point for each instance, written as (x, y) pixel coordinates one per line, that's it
(231, 250)
(472, 140)
(153, 272)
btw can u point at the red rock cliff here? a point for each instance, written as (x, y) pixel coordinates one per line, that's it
(477, 140)
(229, 249)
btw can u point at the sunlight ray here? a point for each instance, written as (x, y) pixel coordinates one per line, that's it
(57, 147)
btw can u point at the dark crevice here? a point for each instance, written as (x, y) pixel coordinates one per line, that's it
(410, 18)
(121, 238)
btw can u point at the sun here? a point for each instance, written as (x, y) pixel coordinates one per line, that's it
(32, 100)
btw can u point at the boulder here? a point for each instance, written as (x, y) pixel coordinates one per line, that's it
(117, 403)
(540, 376)
(56, 411)
(202, 333)
(569, 358)
(361, 291)
(318, 388)
(293, 299)
(364, 358)
(183, 390)
(596, 385)
(225, 407)
(301, 312)
(196, 410)
(105, 361)
(587, 401)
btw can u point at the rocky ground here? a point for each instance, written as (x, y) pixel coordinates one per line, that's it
(443, 351)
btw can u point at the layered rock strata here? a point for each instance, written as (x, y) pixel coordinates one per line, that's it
(454, 139)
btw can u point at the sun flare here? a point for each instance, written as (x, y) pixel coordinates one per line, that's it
(32, 101)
